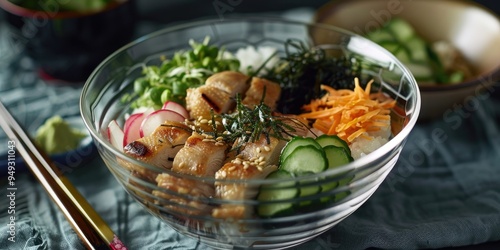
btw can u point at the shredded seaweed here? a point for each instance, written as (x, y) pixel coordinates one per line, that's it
(248, 124)
(303, 69)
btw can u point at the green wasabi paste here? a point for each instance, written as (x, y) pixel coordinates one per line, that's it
(57, 136)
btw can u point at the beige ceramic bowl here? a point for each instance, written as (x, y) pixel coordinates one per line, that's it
(471, 28)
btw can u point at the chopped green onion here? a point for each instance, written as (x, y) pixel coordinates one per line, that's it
(170, 80)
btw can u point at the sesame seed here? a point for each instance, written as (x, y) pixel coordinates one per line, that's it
(261, 158)
(237, 161)
(203, 121)
(257, 150)
(267, 148)
(219, 143)
(262, 163)
(224, 174)
(231, 168)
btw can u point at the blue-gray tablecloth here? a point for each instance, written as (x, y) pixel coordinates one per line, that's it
(444, 191)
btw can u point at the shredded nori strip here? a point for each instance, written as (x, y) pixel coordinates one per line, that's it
(303, 69)
(249, 124)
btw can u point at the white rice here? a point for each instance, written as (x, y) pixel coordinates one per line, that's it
(254, 58)
(368, 143)
(362, 146)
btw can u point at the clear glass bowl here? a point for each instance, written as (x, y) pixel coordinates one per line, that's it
(101, 103)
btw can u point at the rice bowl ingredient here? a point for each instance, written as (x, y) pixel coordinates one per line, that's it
(186, 69)
(303, 69)
(252, 59)
(349, 114)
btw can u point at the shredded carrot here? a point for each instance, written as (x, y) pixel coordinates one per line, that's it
(349, 113)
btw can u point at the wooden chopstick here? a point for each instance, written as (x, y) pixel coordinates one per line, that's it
(90, 227)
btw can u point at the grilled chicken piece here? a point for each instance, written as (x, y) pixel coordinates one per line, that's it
(183, 190)
(253, 95)
(232, 82)
(255, 161)
(200, 156)
(159, 148)
(269, 153)
(238, 169)
(141, 191)
(137, 171)
(199, 101)
(206, 124)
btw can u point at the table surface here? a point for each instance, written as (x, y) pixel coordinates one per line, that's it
(442, 194)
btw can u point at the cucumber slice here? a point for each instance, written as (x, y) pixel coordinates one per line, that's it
(400, 29)
(332, 185)
(280, 190)
(307, 188)
(380, 36)
(304, 159)
(342, 195)
(337, 156)
(296, 142)
(418, 49)
(413, 50)
(332, 140)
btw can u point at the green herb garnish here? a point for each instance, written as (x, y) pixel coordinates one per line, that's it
(250, 124)
(186, 69)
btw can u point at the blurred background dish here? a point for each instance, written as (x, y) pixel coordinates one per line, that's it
(68, 40)
(470, 29)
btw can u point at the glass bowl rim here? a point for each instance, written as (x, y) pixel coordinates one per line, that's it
(358, 164)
